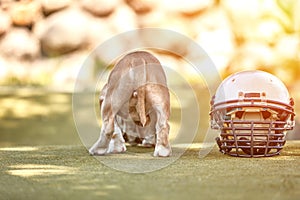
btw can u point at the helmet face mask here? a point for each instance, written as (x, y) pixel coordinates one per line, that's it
(253, 120)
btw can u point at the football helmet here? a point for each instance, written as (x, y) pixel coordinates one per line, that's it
(253, 111)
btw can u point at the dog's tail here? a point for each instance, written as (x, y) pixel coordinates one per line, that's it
(140, 106)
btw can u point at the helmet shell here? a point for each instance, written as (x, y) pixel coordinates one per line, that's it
(253, 81)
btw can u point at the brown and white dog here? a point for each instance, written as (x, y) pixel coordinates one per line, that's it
(135, 100)
(131, 127)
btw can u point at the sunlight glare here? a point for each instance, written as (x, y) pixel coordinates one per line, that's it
(31, 170)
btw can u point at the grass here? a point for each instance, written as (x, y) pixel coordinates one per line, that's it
(68, 172)
(41, 157)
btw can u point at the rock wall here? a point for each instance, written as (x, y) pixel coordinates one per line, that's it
(45, 42)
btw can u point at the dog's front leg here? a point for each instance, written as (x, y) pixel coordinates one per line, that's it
(101, 145)
(117, 142)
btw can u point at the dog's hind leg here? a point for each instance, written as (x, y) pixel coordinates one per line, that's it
(162, 147)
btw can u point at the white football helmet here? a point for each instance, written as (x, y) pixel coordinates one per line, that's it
(253, 111)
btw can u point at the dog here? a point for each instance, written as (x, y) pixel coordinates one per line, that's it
(135, 97)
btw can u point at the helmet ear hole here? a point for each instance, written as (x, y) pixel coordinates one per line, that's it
(239, 114)
(266, 114)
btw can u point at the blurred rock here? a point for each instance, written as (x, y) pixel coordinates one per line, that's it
(5, 22)
(98, 32)
(123, 19)
(188, 7)
(253, 55)
(166, 40)
(25, 13)
(112, 49)
(141, 6)
(267, 30)
(287, 46)
(100, 8)
(244, 16)
(165, 20)
(63, 32)
(219, 45)
(54, 5)
(217, 39)
(5, 4)
(236, 35)
(69, 71)
(247, 9)
(151, 19)
(21, 44)
(256, 20)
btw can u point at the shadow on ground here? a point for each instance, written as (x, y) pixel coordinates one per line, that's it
(36, 117)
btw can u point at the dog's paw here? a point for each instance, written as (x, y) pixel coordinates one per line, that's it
(162, 151)
(97, 151)
(148, 142)
(116, 146)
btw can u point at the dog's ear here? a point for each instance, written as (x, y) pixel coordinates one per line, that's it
(102, 95)
(100, 102)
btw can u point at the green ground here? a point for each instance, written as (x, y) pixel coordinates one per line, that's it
(68, 172)
(41, 157)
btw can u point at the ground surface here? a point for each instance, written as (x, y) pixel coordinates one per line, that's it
(41, 157)
(68, 172)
